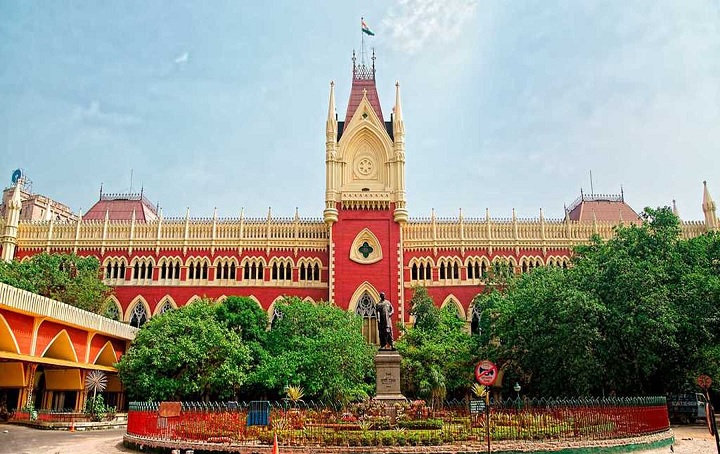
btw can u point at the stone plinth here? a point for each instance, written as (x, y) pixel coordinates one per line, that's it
(387, 380)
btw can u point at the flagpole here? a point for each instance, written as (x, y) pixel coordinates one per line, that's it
(362, 42)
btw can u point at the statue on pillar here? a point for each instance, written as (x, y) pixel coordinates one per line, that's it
(384, 311)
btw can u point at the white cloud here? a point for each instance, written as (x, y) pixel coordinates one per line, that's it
(182, 59)
(411, 24)
(95, 114)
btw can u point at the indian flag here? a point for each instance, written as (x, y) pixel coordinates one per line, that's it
(365, 28)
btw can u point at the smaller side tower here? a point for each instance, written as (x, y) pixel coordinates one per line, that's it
(12, 219)
(709, 208)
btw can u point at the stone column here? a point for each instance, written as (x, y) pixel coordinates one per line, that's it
(387, 380)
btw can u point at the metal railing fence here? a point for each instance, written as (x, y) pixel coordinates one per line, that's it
(411, 423)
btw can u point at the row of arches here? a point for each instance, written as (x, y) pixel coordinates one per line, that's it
(59, 347)
(450, 269)
(199, 269)
(139, 310)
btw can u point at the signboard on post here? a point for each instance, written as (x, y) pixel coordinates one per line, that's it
(477, 407)
(486, 373)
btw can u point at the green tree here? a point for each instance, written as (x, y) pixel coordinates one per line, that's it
(185, 354)
(424, 311)
(636, 314)
(546, 332)
(319, 347)
(244, 316)
(436, 351)
(68, 278)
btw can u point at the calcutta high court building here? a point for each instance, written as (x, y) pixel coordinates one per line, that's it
(365, 243)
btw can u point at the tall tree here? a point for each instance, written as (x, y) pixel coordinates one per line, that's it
(185, 354)
(546, 333)
(637, 314)
(68, 278)
(435, 350)
(319, 347)
(244, 316)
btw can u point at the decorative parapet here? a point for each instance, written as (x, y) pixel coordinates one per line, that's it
(444, 233)
(595, 198)
(692, 229)
(131, 196)
(31, 303)
(176, 233)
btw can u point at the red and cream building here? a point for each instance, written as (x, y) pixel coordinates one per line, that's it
(365, 243)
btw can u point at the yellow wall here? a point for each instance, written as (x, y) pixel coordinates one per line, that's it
(12, 375)
(63, 380)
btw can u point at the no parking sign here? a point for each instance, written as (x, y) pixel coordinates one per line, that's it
(486, 373)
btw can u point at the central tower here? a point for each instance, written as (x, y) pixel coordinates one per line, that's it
(365, 204)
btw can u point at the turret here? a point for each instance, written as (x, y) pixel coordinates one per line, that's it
(330, 214)
(12, 220)
(709, 208)
(401, 213)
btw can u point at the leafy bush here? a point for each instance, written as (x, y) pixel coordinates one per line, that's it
(97, 410)
(420, 424)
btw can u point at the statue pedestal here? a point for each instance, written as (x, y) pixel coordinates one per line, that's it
(387, 377)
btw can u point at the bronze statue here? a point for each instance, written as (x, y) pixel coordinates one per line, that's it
(384, 311)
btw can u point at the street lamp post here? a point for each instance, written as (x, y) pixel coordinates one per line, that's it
(517, 389)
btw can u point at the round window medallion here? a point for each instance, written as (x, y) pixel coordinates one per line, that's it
(364, 166)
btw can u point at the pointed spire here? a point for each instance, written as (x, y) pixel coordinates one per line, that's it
(242, 212)
(709, 208)
(48, 213)
(269, 213)
(675, 209)
(460, 216)
(187, 213)
(331, 104)
(707, 199)
(398, 105)
(16, 199)
(297, 214)
(107, 215)
(432, 214)
(215, 213)
(487, 214)
(514, 217)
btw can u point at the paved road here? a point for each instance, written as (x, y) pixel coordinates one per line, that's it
(693, 439)
(24, 440)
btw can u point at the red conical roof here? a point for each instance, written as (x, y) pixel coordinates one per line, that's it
(363, 83)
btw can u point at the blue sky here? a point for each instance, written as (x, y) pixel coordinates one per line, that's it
(223, 104)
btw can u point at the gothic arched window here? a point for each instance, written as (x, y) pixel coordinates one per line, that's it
(166, 306)
(366, 309)
(139, 315)
(475, 321)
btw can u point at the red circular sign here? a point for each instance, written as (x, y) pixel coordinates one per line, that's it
(486, 373)
(704, 381)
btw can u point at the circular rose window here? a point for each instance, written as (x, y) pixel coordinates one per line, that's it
(364, 167)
